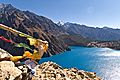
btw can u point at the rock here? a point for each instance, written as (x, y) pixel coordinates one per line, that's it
(4, 54)
(44, 71)
(8, 71)
(26, 72)
(52, 71)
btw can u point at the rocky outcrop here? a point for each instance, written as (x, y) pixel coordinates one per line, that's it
(8, 71)
(13, 71)
(52, 71)
(44, 71)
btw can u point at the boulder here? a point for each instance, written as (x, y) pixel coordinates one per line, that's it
(8, 71)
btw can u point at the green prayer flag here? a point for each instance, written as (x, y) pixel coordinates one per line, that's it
(23, 45)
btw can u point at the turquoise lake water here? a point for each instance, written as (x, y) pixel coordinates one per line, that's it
(104, 61)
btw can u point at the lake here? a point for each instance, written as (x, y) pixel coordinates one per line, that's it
(104, 61)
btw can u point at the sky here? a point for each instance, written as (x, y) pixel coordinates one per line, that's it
(94, 13)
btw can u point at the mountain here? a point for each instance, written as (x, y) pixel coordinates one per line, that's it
(72, 39)
(103, 34)
(60, 23)
(75, 40)
(32, 24)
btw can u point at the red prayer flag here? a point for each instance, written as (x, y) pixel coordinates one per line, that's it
(3, 38)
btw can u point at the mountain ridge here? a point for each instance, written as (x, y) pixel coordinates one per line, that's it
(103, 34)
(59, 36)
(32, 24)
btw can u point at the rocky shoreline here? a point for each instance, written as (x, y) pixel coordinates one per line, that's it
(105, 44)
(45, 71)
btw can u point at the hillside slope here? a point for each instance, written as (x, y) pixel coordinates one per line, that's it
(32, 24)
(103, 34)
